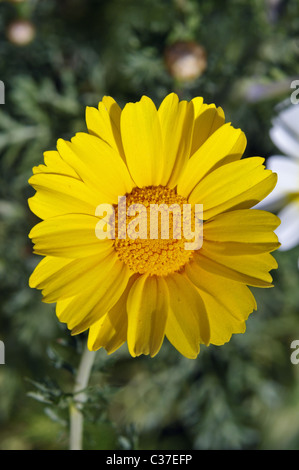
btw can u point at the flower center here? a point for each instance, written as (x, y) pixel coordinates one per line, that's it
(150, 231)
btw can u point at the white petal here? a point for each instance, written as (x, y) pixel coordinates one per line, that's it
(288, 230)
(285, 132)
(287, 170)
(290, 119)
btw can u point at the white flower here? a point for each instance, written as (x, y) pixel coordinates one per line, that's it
(285, 197)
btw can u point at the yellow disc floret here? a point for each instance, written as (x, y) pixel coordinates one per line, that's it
(154, 242)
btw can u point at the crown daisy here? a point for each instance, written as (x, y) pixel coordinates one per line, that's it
(133, 287)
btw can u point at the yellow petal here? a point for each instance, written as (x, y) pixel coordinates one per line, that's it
(235, 298)
(76, 277)
(46, 268)
(248, 269)
(147, 308)
(58, 194)
(208, 119)
(187, 323)
(223, 146)
(176, 120)
(228, 303)
(142, 141)
(222, 324)
(84, 309)
(104, 122)
(246, 231)
(237, 185)
(55, 164)
(111, 331)
(69, 236)
(98, 164)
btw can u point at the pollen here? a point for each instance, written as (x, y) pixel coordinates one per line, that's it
(153, 241)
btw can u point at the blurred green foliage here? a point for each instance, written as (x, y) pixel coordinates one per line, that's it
(244, 395)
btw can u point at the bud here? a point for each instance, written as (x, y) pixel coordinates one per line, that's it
(185, 60)
(21, 32)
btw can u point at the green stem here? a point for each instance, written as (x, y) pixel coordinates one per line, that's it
(76, 416)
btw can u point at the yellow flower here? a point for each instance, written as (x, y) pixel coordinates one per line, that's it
(144, 289)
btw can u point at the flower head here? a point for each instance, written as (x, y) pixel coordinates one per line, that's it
(285, 197)
(185, 60)
(141, 283)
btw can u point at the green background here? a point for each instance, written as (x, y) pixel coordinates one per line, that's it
(243, 395)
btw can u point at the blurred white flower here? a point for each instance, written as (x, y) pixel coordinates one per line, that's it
(21, 32)
(285, 197)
